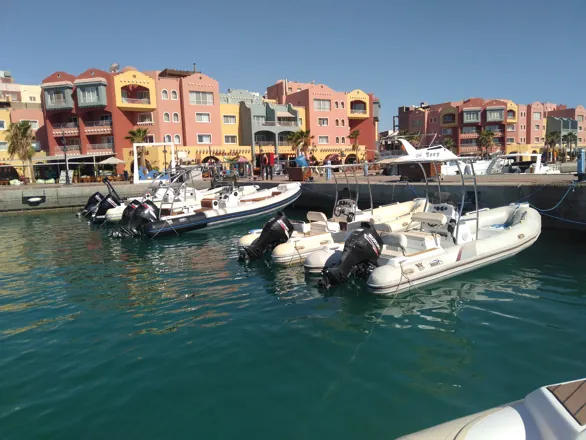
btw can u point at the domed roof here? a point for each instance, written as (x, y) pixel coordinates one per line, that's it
(128, 69)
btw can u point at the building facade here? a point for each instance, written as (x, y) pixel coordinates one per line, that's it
(19, 102)
(91, 114)
(516, 127)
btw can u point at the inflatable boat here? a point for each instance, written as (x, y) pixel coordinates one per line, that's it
(554, 412)
(440, 244)
(228, 206)
(290, 242)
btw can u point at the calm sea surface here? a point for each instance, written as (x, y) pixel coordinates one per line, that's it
(102, 338)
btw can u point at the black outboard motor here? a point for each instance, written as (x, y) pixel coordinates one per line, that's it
(129, 212)
(360, 257)
(275, 232)
(143, 214)
(109, 202)
(92, 204)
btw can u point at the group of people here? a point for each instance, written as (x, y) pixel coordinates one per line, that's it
(267, 165)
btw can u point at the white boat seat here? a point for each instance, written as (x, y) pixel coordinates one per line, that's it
(314, 216)
(430, 218)
(394, 239)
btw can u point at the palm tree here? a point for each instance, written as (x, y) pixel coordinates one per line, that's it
(20, 140)
(415, 138)
(485, 141)
(449, 144)
(551, 140)
(353, 136)
(301, 140)
(139, 136)
(569, 138)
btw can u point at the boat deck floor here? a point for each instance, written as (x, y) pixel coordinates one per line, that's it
(572, 396)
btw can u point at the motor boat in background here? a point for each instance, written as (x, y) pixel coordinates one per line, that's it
(511, 163)
(553, 412)
(441, 242)
(227, 206)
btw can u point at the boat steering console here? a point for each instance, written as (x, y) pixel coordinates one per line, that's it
(346, 208)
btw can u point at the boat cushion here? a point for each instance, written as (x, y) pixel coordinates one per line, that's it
(431, 218)
(395, 239)
(314, 216)
(517, 217)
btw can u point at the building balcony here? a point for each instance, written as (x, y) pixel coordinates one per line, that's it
(136, 104)
(143, 123)
(358, 113)
(100, 148)
(98, 127)
(469, 135)
(277, 123)
(65, 129)
(71, 149)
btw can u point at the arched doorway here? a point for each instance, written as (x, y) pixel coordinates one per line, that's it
(350, 159)
(209, 158)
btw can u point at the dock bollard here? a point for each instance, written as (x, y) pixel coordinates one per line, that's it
(329, 170)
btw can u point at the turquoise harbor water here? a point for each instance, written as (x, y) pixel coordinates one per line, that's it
(101, 338)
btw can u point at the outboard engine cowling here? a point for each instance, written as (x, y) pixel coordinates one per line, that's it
(129, 212)
(360, 257)
(109, 202)
(275, 232)
(142, 215)
(92, 204)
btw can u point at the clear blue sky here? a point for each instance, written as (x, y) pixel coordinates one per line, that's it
(405, 52)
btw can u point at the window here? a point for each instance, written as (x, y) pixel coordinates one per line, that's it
(300, 121)
(108, 117)
(143, 94)
(416, 123)
(523, 114)
(164, 94)
(167, 138)
(449, 118)
(523, 127)
(3, 146)
(343, 122)
(34, 124)
(323, 122)
(230, 139)
(166, 117)
(537, 116)
(259, 120)
(542, 139)
(201, 98)
(174, 95)
(468, 142)
(108, 140)
(204, 138)
(343, 140)
(298, 89)
(177, 139)
(494, 115)
(342, 106)
(289, 90)
(510, 140)
(74, 119)
(336, 104)
(143, 118)
(536, 139)
(580, 118)
(88, 95)
(447, 131)
(510, 114)
(580, 140)
(322, 140)
(202, 117)
(2, 125)
(56, 97)
(322, 105)
(536, 126)
(493, 128)
(149, 139)
(467, 130)
(229, 119)
(510, 127)
(337, 139)
(32, 98)
(176, 117)
(471, 116)
(580, 128)
(337, 122)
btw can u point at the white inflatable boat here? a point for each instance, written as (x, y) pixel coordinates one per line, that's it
(554, 412)
(292, 241)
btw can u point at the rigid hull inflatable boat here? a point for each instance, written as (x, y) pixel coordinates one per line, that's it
(554, 412)
(228, 206)
(442, 245)
(290, 242)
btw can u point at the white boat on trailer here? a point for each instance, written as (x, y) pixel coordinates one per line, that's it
(441, 242)
(553, 412)
(290, 242)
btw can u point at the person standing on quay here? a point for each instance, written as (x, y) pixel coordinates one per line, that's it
(264, 164)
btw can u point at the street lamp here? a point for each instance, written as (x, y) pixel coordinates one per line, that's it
(67, 182)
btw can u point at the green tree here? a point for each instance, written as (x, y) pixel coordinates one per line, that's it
(485, 141)
(450, 144)
(301, 140)
(20, 140)
(353, 136)
(570, 139)
(551, 140)
(139, 136)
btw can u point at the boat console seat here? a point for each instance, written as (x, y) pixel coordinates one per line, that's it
(432, 219)
(320, 223)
